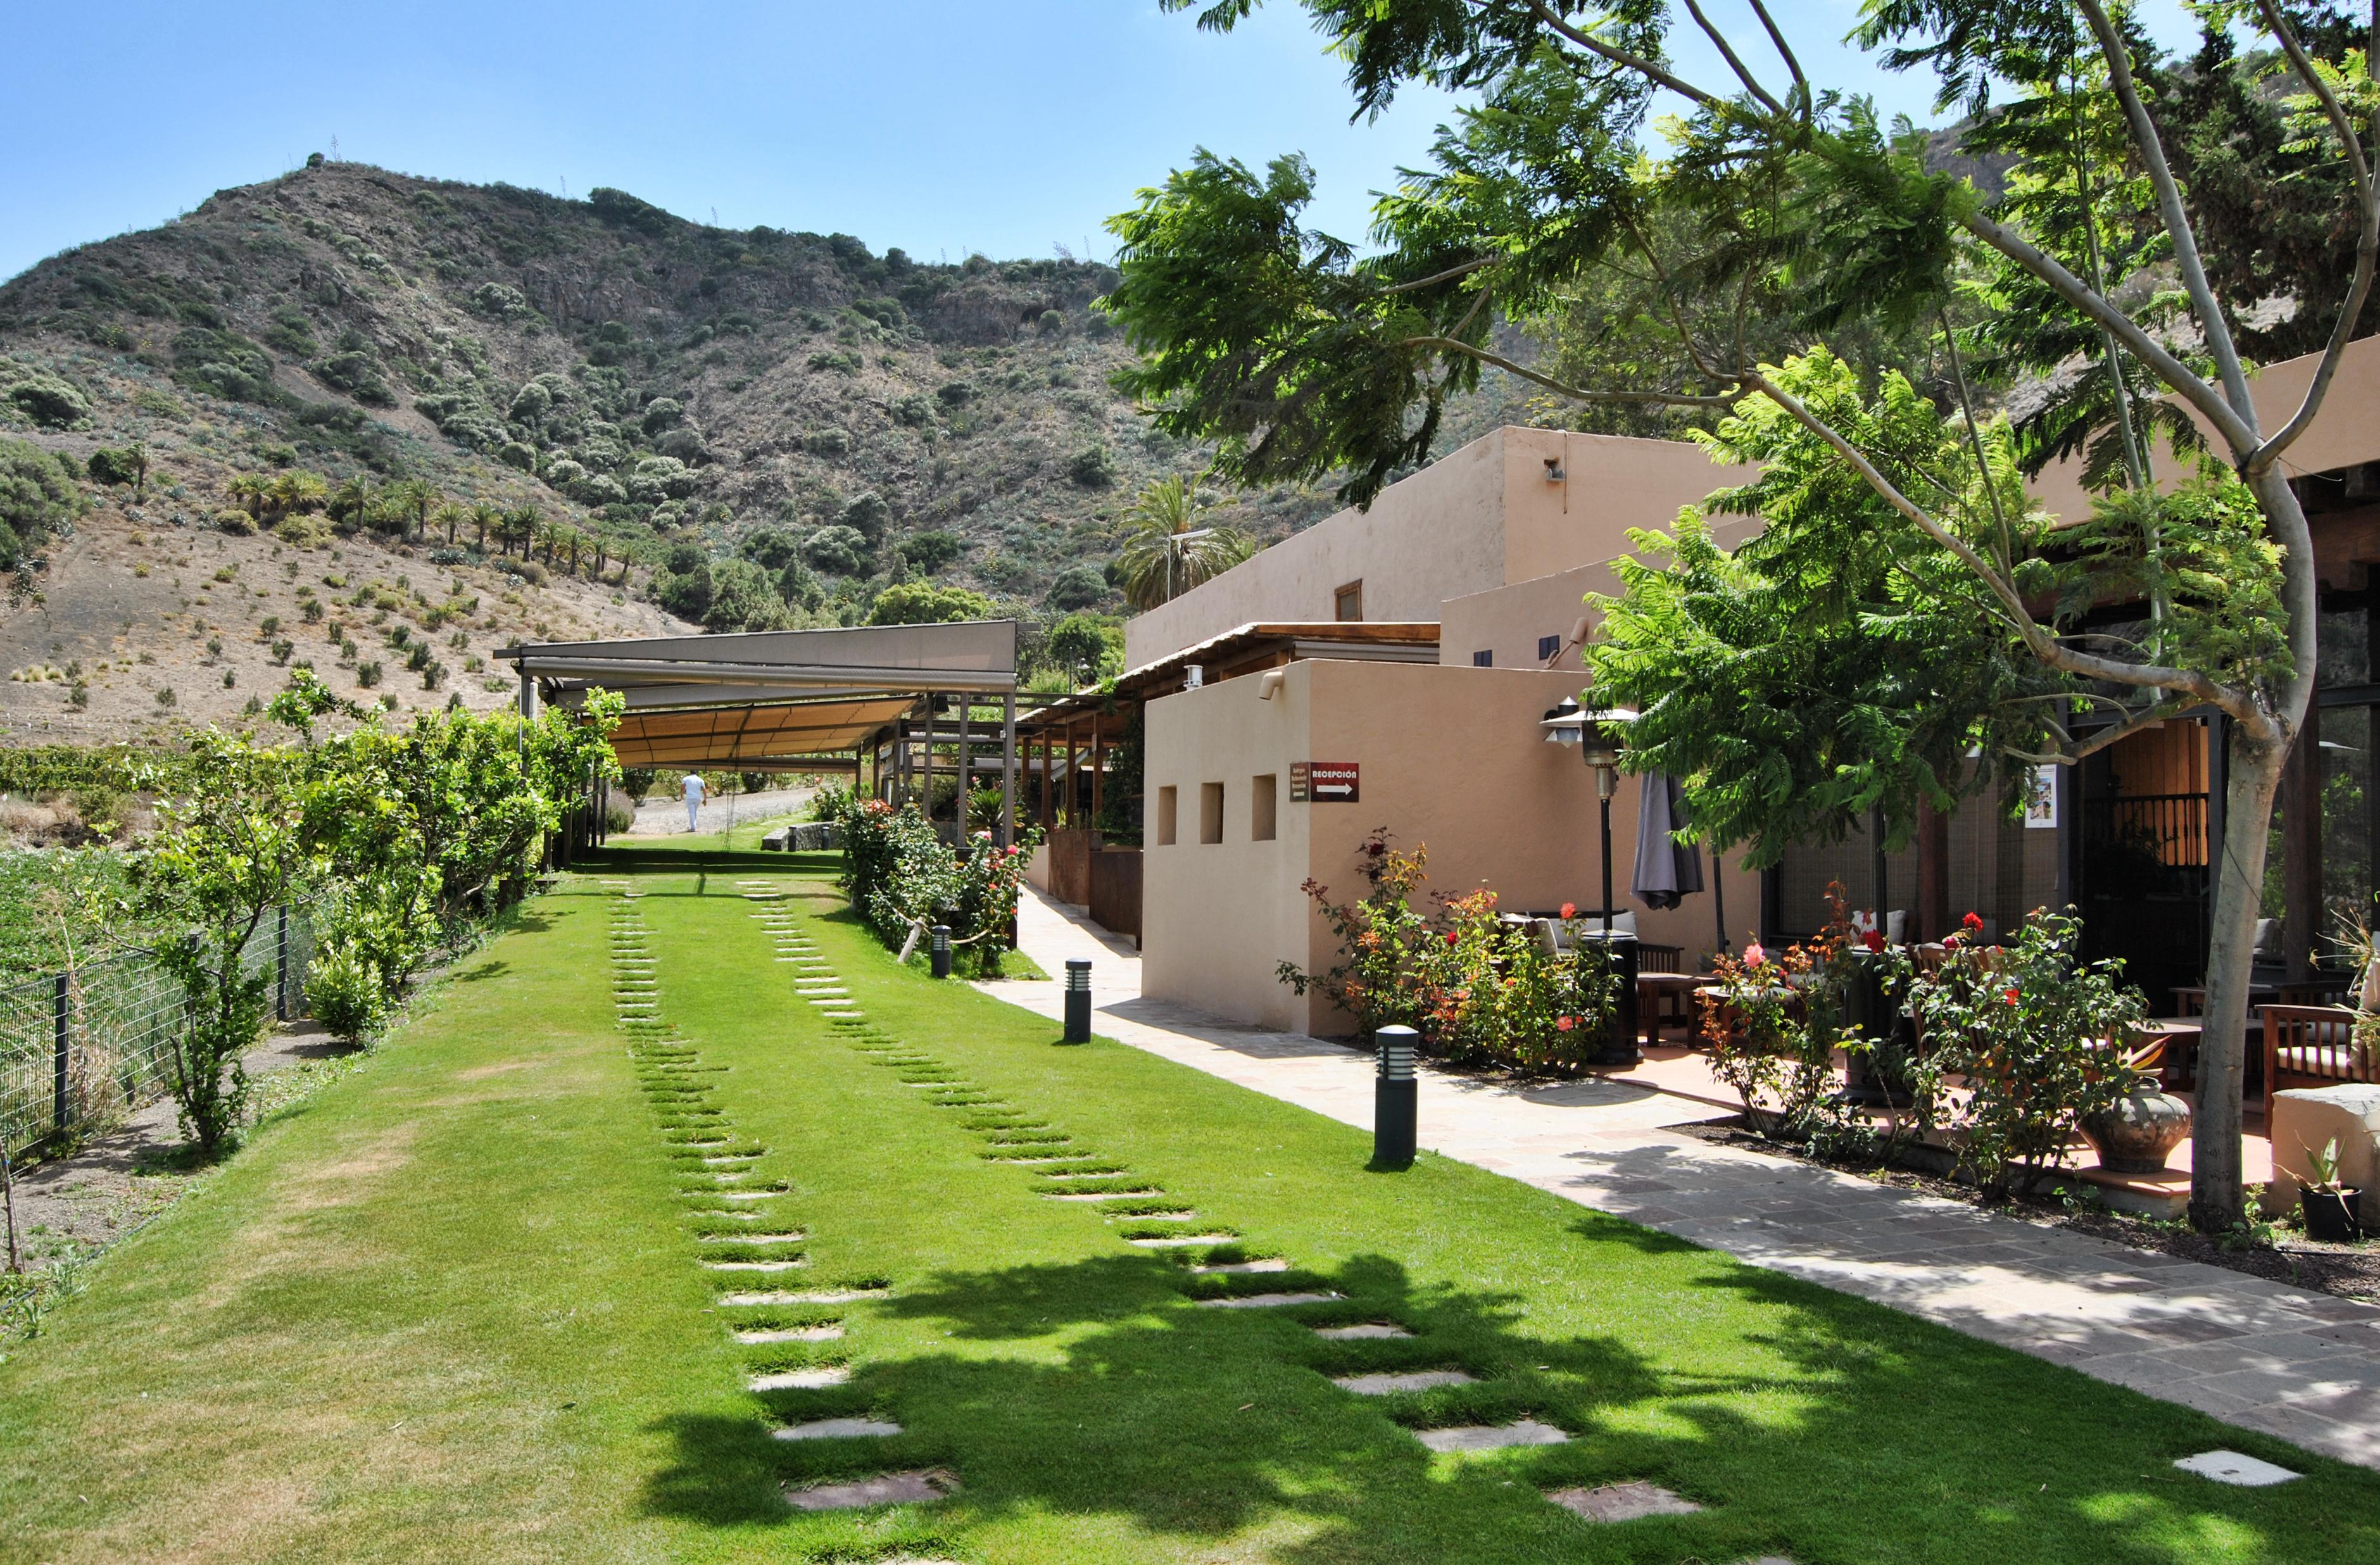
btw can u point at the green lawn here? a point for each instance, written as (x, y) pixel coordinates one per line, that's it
(455, 1307)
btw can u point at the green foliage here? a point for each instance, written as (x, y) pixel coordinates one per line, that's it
(838, 550)
(1094, 467)
(39, 499)
(900, 875)
(929, 552)
(1076, 587)
(1159, 561)
(346, 991)
(1089, 646)
(48, 400)
(917, 602)
(224, 364)
(110, 465)
(623, 210)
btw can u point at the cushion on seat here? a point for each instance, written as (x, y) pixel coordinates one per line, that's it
(2337, 1062)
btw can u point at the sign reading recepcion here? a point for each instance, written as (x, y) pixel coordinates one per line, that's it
(1324, 782)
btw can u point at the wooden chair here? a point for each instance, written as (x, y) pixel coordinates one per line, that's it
(2313, 1045)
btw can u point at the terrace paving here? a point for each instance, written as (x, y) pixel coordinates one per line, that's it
(2301, 1366)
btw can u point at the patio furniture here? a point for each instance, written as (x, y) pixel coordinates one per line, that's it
(1549, 930)
(2313, 1045)
(1663, 997)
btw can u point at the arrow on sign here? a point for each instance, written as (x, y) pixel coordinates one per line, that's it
(1333, 788)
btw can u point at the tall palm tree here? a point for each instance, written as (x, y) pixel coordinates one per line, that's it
(453, 515)
(350, 501)
(297, 489)
(483, 516)
(1169, 549)
(253, 491)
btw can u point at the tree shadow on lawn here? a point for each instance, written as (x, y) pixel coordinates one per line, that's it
(1823, 1433)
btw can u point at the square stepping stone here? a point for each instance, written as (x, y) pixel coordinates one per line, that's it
(1491, 1436)
(1363, 1332)
(754, 1265)
(2236, 1467)
(791, 1334)
(1622, 1503)
(1409, 1380)
(1102, 1195)
(799, 1379)
(1264, 1300)
(1218, 1268)
(884, 1488)
(837, 1430)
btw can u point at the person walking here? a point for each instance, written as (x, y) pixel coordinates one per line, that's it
(693, 789)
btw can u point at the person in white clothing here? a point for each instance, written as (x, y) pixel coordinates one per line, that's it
(693, 789)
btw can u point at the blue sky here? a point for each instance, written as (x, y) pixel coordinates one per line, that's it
(940, 128)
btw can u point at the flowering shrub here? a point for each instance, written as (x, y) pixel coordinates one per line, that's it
(1775, 1024)
(900, 874)
(2036, 1037)
(1477, 990)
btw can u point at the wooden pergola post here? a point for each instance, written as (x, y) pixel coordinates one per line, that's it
(1046, 800)
(966, 762)
(1008, 768)
(1099, 767)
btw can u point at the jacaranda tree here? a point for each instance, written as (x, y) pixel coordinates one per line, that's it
(1590, 166)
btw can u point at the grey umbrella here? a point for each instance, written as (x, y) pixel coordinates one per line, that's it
(1667, 871)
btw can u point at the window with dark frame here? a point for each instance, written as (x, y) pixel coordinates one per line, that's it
(1347, 602)
(1549, 647)
(1484, 659)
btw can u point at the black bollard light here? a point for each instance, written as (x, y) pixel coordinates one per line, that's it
(1078, 999)
(942, 951)
(1395, 1099)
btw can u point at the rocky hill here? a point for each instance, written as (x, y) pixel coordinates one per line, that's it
(594, 407)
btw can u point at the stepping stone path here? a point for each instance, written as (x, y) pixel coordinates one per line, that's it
(885, 1488)
(1389, 1384)
(1491, 1436)
(1366, 1331)
(1266, 1300)
(2234, 1467)
(837, 1430)
(800, 1379)
(1622, 1503)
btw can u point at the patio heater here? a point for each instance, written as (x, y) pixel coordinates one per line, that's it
(1598, 736)
(1395, 1099)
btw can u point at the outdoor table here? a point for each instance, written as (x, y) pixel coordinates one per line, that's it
(1663, 997)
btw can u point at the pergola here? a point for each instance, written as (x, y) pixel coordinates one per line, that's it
(801, 700)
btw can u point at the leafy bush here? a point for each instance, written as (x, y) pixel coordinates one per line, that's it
(902, 875)
(867, 516)
(1093, 467)
(345, 992)
(930, 550)
(1077, 587)
(358, 373)
(39, 497)
(838, 550)
(917, 602)
(46, 400)
(235, 521)
(110, 465)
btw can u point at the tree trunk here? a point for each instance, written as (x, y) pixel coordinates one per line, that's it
(2252, 782)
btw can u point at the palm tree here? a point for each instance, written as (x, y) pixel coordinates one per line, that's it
(350, 501)
(1168, 551)
(453, 515)
(483, 516)
(295, 491)
(252, 490)
(518, 524)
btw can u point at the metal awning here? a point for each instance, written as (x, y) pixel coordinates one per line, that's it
(769, 698)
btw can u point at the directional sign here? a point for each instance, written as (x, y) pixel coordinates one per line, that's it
(1297, 794)
(1333, 781)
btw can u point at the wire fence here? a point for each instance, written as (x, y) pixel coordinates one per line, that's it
(86, 1047)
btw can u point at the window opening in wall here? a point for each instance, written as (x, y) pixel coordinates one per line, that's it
(1165, 813)
(1210, 812)
(1548, 646)
(1483, 659)
(1263, 801)
(1347, 602)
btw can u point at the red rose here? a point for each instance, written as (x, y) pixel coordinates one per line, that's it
(1569, 910)
(1873, 940)
(1973, 923)
(2009, 995)
(1452, 935)
(1564, 1023)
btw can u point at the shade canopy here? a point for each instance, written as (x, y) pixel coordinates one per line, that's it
(769, 699)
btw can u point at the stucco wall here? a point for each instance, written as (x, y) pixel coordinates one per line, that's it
(1451, 757)
(1506, 622)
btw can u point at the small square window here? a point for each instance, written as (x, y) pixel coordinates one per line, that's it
(1264, 798)
(1210, 812)
(1549, 647)
(1165, 814)
(1483, 659)
(1347, 602)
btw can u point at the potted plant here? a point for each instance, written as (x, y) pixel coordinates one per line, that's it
(2328, 1206)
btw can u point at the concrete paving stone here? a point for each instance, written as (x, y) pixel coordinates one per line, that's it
(837, 1430)
(794, 1238)
(1389, 1383)
(1101, 1196)
(799, 1379)
(2232, 1467)
(1222, 1268)
(1491, 1436)
(1263, 1301)
(1183, 1240)
(884, 1488)
(1363, 1331)
(1622, 1503)
(755, 1265)
(791, 1334)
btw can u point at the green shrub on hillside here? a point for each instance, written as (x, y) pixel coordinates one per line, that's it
(47, 400)
(838, 550)
(39, 498)
(918, 602)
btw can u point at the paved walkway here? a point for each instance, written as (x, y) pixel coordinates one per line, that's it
(2304, 1366)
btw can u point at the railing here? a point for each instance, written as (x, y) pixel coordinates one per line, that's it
(2168, 828)
(89, 1046)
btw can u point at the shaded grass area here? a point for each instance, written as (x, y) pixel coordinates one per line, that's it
(452, 1308)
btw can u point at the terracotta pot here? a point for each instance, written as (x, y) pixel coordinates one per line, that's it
(2135, 1135)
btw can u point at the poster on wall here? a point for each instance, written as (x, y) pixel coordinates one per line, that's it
(2041, 809)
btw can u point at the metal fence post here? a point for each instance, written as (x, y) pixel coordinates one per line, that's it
(62, 1110)
(281, 966)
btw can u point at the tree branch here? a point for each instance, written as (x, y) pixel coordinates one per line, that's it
(1448, 275)
(2193, 388)
(1665, 399)
(1734, 62)
(2367, 246)
(1785, 51)
(2177, 220)
(1622, 57)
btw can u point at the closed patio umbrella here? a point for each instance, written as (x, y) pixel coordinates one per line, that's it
(1667, 871)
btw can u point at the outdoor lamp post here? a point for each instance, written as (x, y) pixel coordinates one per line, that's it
(1395, 1096)
(1598, 736)
(1078, 999)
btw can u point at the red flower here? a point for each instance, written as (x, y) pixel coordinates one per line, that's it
(1973, 923)
(2009, 995)
(1569, 910)
(1873, 940)
(1452, 936)
(1564, 1023)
